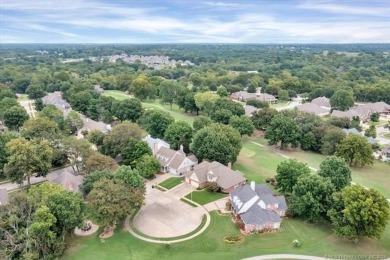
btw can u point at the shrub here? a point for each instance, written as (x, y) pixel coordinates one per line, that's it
(233, 239)
(240, 224)
(212, 187)
(228, 205)
(296, 243)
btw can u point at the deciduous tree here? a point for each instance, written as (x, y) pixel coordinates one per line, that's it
(99, 162)
(337, 171)
(242, 124)
(287, 174)
(311, 197)
(217, 142)
(127, 109)
(147, 166)
(342, 100)
(179, 133)
(358, 212)
(15, 117)
(156, 122)
(284, 130)
(27, 158)
(134, 150)
(356, 150)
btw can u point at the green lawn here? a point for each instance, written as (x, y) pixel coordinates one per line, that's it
(203, 197)
(23, 97)
(171, 182)
(155, 104)
(258, 163)
(316, 240)
(279, 104)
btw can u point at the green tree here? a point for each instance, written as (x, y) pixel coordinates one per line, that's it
(134, 150)
(283, 95)
(287, 174)
(35, 91)
(39, 104)
(217, 142)
(359, 212)
(156, 122)
(129, 176)
(73, 122)
(200, 122)
(202, 98)
(370, 131)
(374, 117)
(262, 118)
(242, 124)
(6, 104)
(4, 139)
(147, 166)
(257, 103)
(179, 133)
(15, 117)
(127, 109)
(116, 140)
(96, 137)
(78, 151)
(99, 162)
(185, 99)
(42, 234)
(27, 158)
(356, 150)
(311, 197)
(169, 91)
(337, 171)
(68, 208)
(282, 129)
(90, 179)
(54, 114)
(222, 92)
(40, 128)
(112, 200)
(221, 116)
(342, 100)
(142, 89)
(332, 137)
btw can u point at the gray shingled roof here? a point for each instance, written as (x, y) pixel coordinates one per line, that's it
(244, 95)
(3, 197)
(56, 99)
(259, 216)
(262, 189)
(152, 141)
(321, 101)
(281, 200)
(266, 97)
(312, 108)
(249, 110)
(67, 179)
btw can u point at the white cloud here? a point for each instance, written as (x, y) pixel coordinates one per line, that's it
(353, 9)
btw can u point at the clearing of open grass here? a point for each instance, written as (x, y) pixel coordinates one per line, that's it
(264, 164)
(316, 239)
(155, 104)
(23, 97)
(279, 104)
(203, 197)
(171, 182)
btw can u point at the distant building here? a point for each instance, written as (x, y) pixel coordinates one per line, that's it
(91, 125)
(98, 89)
(249, 110)
(243, 96)
(267, 98)
(67, 178)
(363, 111)
(313, 108)
(56, 99)
(323, 102)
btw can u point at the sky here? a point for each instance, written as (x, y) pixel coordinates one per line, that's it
(194, 21)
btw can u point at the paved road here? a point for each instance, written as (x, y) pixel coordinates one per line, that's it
(295, 102)
(13, 186)
(29, 107)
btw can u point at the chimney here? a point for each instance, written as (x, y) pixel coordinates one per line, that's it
(155, 148)
(253, 185)
(181, 148)
(229, 165)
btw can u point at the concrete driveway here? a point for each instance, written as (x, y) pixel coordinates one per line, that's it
(164, 215)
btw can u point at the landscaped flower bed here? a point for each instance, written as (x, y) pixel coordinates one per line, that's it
(233, 239)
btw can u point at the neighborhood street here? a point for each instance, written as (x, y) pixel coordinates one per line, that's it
(34, 180)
